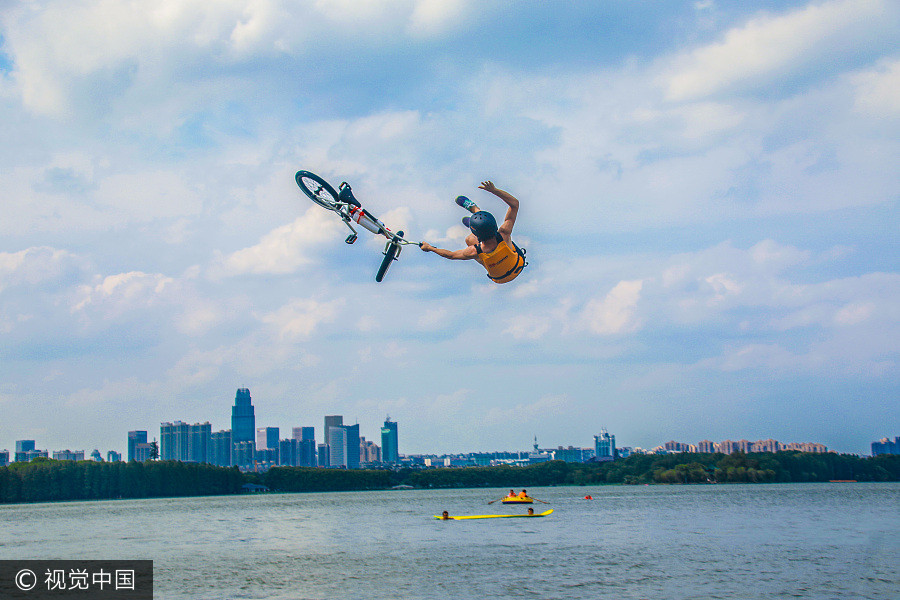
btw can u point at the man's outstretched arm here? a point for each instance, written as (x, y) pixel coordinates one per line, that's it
(510, 220)
(467, 253)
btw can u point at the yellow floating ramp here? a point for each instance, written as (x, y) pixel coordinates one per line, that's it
(543, 514)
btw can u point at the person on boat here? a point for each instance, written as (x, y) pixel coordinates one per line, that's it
(512, 494)
(530, 512)
(523, 494)
(488, 244)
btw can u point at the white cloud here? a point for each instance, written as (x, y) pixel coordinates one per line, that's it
(616, 312)
(34, 266)
(287, 248)
(527, 327)
(436, 16)
(123, 292)
(854, 313)
(299, 318)
(878, 89)
(768, 47)
(64, 46)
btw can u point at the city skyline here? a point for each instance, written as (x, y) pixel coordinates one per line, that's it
(708, 198)
(243, 416)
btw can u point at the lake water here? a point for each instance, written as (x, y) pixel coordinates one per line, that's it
(818, 541)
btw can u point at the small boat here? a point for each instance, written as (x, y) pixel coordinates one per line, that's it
(518, 500)
(543, 514)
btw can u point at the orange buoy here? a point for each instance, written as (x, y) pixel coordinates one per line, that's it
(588, 497)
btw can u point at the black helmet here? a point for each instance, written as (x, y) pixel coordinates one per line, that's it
(483, 225)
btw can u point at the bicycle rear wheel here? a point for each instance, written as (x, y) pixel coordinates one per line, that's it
(318, 190)
(390, 255)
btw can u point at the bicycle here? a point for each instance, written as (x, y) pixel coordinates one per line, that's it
(350, 210)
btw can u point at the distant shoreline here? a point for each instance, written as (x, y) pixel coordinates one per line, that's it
(47, 480)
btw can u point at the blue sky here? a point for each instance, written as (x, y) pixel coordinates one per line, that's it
(709, 202)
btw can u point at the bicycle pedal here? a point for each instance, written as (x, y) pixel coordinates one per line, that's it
(351, 238)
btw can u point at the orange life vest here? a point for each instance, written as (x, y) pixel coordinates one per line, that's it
(504, 263)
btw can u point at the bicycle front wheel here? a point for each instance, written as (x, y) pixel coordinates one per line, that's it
(318, 190)
(390, 255)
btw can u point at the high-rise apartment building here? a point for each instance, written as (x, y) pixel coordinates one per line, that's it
(243, 428)
(707, 446)
(186, 443)
(135, 438)
(199, 450)
(221, 448)
(113, 456)
(572, 454)
(768, 445)
(344, 446)
(306, 446)
(390, 450)
(806, 447)
(673, 446)
(331, 421)
(886, 446)
(142, 452)
(244, 454)
(174, 439)
(729, 447)
(303, 433)
(287, 452)
(68, 455)
(4, 458)
(605, 446)
(369, 452)
(267, 438)
(26, 451)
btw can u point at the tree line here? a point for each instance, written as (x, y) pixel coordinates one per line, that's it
(48, 480)
(44, 479)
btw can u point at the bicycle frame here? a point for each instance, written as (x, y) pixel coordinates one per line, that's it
(350, 213)
(350, 210)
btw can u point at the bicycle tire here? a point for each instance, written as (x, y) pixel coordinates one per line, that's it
(390, 254)
(318, 190)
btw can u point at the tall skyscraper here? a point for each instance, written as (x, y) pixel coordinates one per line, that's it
(26, 445)
(287, 452)
(243, 427)
(220, 448)
(244, 454)
(344, 446)
(174, 441)
(331, 421)
(199, 450)
(306, 446)
(605, 446)
(24, 450)
(322, 455)
(183, 442)
(389, 443)
(135, 438)
(267, 438)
